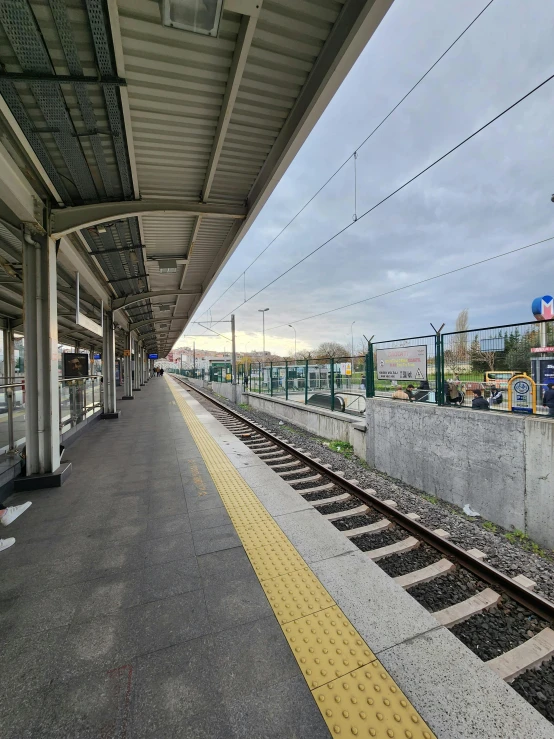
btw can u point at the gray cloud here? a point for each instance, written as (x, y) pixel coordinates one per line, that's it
(490, 196)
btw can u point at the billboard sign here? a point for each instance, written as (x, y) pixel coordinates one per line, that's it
(406, 363)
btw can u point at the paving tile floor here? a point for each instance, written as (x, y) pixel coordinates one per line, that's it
(128, 607)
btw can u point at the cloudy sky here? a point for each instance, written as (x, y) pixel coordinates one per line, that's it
(490, 196)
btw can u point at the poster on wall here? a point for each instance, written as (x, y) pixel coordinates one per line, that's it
(406, 363)
(74, 365)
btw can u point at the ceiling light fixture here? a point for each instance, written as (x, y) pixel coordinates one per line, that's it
(167, 266)
(197, 16)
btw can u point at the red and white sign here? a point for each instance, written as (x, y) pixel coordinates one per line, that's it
(542, 349)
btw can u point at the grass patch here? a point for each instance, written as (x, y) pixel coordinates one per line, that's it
(244, 405)
(521, 539)
(490, 526)
(430, 498)
(341, 447)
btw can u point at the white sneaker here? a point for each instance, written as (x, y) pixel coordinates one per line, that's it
(6, 543)
(14, 512)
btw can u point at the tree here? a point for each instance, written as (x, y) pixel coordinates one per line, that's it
(457, 356)
(481, 361)
(331, 349)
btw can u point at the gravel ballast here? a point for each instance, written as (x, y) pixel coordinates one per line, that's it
(417, 559)
(354, 522)
(367, 542)
(537, 687)
(341, 505)
(446, 590)
(467, 533)
(490, 634)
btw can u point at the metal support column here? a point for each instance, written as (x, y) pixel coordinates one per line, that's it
(108, 368)
(9, 377)
(42, 416)
(233, 361)
(370, 373)
(286, 380)
(127, 368)
(136, 365)
(142, 378)
(332, 384)
(9, 356)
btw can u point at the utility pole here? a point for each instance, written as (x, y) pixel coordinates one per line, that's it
(352, 336)
(262, 311)
(194, 359)
(291, 326)
(233, 360)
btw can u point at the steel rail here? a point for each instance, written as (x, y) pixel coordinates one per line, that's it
(533, 601)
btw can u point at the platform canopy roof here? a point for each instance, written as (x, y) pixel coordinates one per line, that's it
(156, 131)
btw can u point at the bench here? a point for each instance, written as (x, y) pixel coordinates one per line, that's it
(324, 401)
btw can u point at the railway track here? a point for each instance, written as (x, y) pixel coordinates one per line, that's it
(499, 618)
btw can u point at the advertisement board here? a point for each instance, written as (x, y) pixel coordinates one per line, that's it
(74, 365)
(402, 363)
(543, 372)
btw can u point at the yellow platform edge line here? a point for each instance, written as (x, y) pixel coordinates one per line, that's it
(355, 694)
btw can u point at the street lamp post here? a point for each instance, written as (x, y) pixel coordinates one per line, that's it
(291, 326)
(263, 311)
(352, 335)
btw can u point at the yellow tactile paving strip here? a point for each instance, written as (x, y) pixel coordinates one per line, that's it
(355, 694)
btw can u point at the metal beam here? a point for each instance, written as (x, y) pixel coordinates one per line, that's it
(148, 321)
(17, 194)
(61, 79)
(67, 220)
(160, 339)
(242, 49)
(128, 300)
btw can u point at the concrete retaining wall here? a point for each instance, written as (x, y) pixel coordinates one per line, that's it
(226, 390)
(325, 424)
(499, 463)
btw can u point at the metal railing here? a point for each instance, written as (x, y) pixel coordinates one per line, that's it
(318, 381)
(79, 398)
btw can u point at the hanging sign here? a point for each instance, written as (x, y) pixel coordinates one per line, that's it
(406, 363)
(85, 321)
(522, 397)
(126, 352)
(152, 356)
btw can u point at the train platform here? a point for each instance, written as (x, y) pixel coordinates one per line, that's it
(176, 586)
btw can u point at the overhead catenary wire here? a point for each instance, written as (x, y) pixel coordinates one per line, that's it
(413, 284)
(353, 155)
(392, 194)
